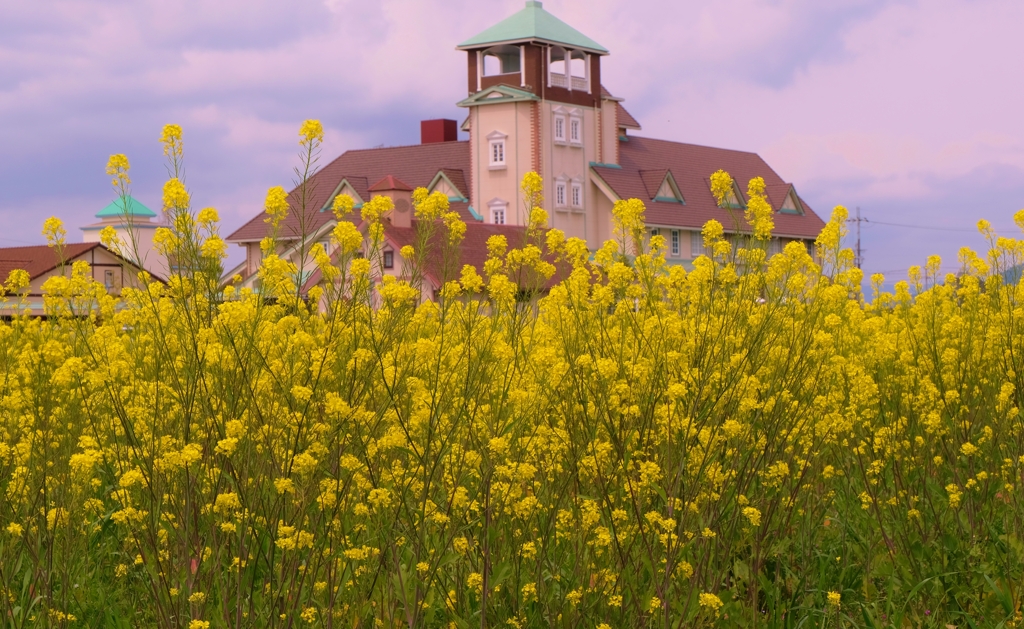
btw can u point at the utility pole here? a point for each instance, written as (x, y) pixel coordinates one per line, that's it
(858, 256)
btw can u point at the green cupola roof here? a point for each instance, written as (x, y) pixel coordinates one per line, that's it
(533, 23)
(117, 208)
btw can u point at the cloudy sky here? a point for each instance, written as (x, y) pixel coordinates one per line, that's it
(910, 110)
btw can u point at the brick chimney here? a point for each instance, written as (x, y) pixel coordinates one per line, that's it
(400, 194)
(440, 130)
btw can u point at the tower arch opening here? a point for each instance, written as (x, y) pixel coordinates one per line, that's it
(500, 60)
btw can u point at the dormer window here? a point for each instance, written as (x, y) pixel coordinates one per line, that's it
(733, 199)
(791, 204)
(496, 149)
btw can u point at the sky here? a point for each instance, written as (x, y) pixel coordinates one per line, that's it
(910, 110)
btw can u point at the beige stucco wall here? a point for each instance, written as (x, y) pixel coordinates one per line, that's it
(600, 228)
(515, 120)
(609, 133)
(569, 161)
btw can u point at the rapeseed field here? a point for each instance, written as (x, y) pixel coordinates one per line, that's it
(569, 437)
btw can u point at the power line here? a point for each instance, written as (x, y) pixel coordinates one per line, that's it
(929, 227)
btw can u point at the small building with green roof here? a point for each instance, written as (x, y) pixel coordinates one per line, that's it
(135, 225)
(127, 206)
(534, 25)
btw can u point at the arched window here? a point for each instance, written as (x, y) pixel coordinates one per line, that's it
(501, 60)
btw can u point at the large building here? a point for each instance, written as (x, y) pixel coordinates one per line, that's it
(535, 102)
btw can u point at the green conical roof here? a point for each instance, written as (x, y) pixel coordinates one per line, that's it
(534, 23)
(117, 208)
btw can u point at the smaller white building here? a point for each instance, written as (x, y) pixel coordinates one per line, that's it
(135, 225)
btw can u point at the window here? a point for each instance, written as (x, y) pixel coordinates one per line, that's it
(774, 246)
(498, 215)
(108, 279)
(560, 194)
(696, 244)
(575, 131)
(675, 242)
(497, 152)
(389, 259)
(577, 194)
(655, 232)
(559, 128)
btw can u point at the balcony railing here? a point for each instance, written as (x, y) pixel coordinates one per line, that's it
(560, 80)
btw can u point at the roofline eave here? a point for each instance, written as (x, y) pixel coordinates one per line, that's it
(471, 45)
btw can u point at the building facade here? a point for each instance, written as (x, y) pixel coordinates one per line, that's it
(535, 102)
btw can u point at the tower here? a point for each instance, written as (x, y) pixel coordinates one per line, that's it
(536, 103)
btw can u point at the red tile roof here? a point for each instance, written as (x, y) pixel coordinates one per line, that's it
(458, 179)
(652, 181)
(472, 250)
(417, 165)
(40, 259)
(390, 183)
(625, 119)
(691, 167)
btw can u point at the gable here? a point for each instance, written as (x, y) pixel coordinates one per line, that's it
(343, 187)
(498, 94)
(791, 204)
(733, 198)
(669, 191)
(443, 184)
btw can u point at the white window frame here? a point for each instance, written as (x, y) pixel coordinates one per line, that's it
(499, 211)
(696, 245)
(576, 194)
(558, 129)
(675, 243)
(561, 193)
(497, 154)
(576, 131)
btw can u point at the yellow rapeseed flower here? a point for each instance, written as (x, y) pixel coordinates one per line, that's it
(310, 132)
